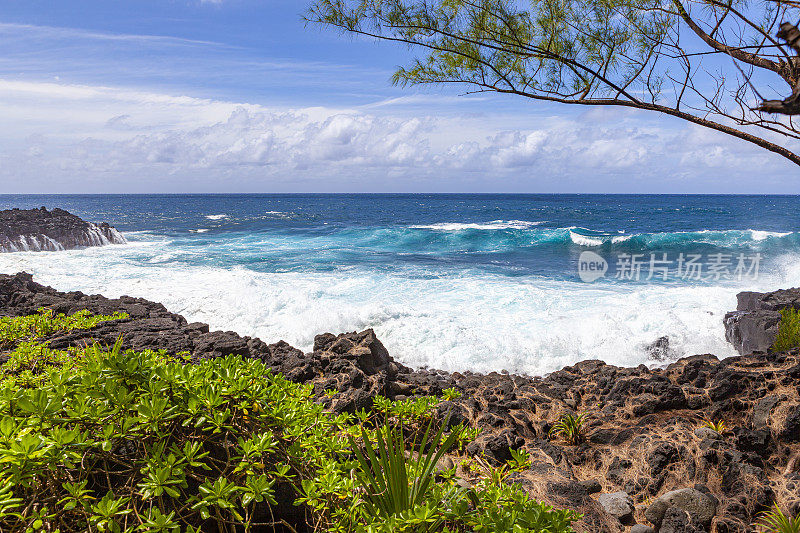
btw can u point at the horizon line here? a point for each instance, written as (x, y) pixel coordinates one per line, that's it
(395, 194)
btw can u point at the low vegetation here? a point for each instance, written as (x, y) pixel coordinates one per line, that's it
(717, 426)
(788, 330)
(12, 330)
(776, 521)
(107, 440)
(570, 428)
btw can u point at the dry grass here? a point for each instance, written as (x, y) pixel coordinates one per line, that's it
(674, 426)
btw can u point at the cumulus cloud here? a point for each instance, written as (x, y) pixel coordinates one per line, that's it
(123, 140)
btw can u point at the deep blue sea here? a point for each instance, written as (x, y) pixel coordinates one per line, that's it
(462, 281)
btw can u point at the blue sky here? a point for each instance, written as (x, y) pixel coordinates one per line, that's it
(240, 96)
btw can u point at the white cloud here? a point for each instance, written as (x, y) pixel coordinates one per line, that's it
(67, 138)
(55, 32)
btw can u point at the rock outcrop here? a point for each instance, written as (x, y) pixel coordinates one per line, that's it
(643, 465)
(754, 324)
(33, 230)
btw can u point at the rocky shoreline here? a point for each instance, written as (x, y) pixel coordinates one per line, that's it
(647, 463)
(35, 230)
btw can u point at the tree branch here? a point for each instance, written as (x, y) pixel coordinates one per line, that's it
(734, 52)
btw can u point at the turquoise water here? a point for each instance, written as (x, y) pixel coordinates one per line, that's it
(483, 282)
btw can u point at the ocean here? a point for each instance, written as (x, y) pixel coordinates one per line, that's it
(482, 282)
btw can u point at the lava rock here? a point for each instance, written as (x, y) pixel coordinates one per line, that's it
(675, 520)
(619, 505)
(495, 447)
(791, 427)
(34, 230)
(754, 325)
(753, 440)
(707, 433)
(592, 486)
(664, 454)
(763, 409)
(643, 421)
(659, 349)
(699, 506)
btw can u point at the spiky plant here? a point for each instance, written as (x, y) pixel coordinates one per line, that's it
(569, 427)
(396, 481)
(776, 521)
(718, 426)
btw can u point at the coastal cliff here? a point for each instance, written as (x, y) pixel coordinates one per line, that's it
(33, 230)
(646, 463)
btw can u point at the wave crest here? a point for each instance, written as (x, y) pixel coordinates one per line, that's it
(493, 225)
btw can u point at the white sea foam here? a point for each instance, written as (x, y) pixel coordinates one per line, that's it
(216, 217)
(278, 214)
(764, 235)
(704, 236)
(201, 230)
(493, 225)
(479, 322)
(587, 240)
(93, 235)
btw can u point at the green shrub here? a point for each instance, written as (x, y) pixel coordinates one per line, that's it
(121, 439)
(450, 394)
(788, 330)
(14, 329)
(106, 440)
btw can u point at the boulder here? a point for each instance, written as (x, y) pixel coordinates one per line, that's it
(495, 447)
(700, 507)
(660, 350)
(617, 504)
(369, 353)
(707, 433)
(592, 486)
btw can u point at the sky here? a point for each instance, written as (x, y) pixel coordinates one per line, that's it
(148, 96)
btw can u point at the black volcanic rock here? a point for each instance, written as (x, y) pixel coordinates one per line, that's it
(43, 230)
(754, 325)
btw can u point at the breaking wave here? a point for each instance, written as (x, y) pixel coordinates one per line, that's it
(498, 236)
(93, 235)
(493, 225)
(462, 321)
